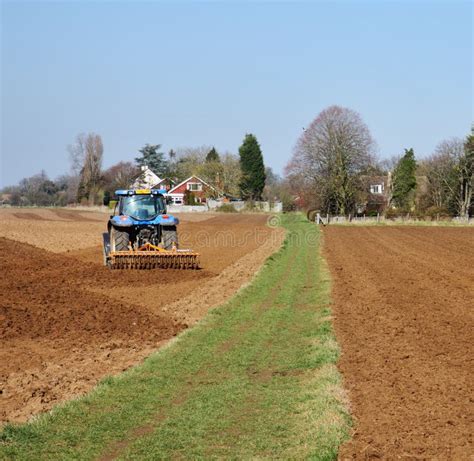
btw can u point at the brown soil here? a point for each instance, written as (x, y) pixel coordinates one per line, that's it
(66, 321)
(72, 229)
(403, 308)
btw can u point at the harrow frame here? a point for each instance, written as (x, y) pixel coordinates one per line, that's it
(149, 256)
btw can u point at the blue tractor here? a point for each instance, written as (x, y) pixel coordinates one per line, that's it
(141, 235)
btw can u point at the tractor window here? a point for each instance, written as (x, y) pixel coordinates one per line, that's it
(142, 206)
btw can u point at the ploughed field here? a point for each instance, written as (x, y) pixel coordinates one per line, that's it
(404, 318)
(66, 321)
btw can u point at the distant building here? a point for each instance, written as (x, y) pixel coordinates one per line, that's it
(378, 190)
(146, 180)
(193, 185)
(200, 189)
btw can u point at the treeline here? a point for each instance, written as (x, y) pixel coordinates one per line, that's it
(334, 164)
(333, 167)
(240, 176)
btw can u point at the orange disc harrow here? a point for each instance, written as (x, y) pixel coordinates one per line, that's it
(153, 259)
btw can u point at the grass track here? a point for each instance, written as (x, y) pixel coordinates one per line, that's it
(255, 379)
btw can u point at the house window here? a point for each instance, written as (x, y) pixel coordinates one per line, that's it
(376, 189)
(195, 186)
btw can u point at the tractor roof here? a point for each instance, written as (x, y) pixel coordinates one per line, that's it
(126, 192)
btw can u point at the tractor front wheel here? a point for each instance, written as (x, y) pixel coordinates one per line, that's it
(170, 237)
(119, 240)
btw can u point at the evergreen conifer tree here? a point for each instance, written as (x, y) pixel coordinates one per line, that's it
(153, 159)
(212, 156)
(253, 177)
(404, 181)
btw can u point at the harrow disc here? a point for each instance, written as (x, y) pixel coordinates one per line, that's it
(153, 260)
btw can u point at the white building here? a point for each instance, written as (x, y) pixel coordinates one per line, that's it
(146, 180)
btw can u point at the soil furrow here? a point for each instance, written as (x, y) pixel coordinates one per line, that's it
(404, 320)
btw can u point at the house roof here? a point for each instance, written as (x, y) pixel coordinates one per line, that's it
(187, 180)
(163, 180)
(374, 180)
(146, 176)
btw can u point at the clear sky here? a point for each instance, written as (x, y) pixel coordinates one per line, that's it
(193, 73)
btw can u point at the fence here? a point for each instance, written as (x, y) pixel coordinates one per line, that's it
(214, 205)
(187, 208)
(274, 207)
(328, 219)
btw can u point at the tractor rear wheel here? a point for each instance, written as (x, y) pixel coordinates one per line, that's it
(170, 237)
(119, 240)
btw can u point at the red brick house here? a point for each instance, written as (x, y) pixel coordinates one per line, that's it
(200, 189)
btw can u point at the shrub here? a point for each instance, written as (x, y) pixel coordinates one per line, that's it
(435, 212)
(417, 215)
(372, 214)
(189, 198)
(392, 213)
(227, 208)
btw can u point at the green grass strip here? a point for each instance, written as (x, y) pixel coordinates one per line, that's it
(255, 379)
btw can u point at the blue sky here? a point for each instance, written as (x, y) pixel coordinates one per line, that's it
(193, 73)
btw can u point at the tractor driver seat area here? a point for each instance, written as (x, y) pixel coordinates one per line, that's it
(143, 214)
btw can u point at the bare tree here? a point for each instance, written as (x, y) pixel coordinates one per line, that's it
(442, 171)
(330, 156)
(231, 173)
(38, 190)
(93, 160)
(120, 176)
(77, 155)
(85, 156)
(389, 164)
(188, 161)
(86, 163)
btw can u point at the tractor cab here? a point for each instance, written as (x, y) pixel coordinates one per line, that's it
(141, 205)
